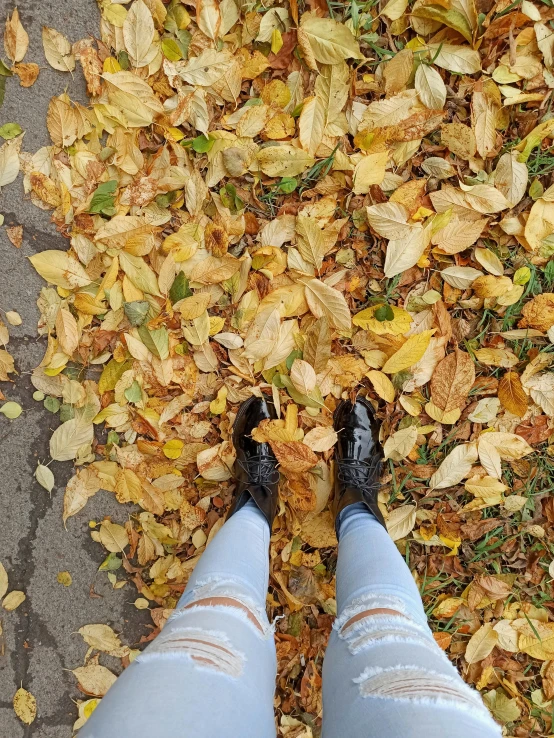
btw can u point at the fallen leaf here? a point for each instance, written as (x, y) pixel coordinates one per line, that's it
(401, 521)
(94, 679)
(481, 644)
(57, 50)
(25, 706)
(12, 600)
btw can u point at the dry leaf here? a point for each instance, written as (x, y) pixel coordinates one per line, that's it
(409, 353)
(454, 467)
(3, 581)
(452, 380)
(512, 395)
(12, 600)
(481, 644)
(57, 50)
(16, 40)
(401, 521)
(25, 706)
(94, 679)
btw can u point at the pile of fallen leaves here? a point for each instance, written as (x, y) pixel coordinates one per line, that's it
(309, 201)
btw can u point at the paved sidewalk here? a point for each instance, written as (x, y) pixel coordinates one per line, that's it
(39, 639)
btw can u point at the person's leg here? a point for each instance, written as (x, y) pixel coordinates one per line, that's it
(383, 675)
(211, 671)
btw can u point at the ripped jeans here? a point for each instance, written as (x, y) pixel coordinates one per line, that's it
(211, 672)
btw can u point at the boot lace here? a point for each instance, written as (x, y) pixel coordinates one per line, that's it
(362, 475)
(260, 469)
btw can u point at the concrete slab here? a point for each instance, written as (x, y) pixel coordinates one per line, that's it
(39, 642)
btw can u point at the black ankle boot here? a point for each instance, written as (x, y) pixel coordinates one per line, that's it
(256, 465)
(358, 457)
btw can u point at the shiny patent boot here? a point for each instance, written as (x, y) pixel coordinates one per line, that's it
(256, 465)
(358, 457)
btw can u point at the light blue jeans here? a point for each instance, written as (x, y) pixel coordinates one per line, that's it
(211, 672)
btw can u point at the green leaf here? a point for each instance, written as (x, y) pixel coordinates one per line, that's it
(52, 404)
(103, 197)
(4, 70)
(179, 289)
(11, 410)
(123, 59)
(288, 185)
(202, 144)
(113, 438)
(291, 358)
(171, 49)
(136, 312)
(112, 562)
(10, 130)
(67, 412)
(157, 341)
(2, 89)
(314, 399)
(383, 313)
(133, 393)
(165, 200)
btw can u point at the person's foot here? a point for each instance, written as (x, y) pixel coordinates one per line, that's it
(358, 456)
(256, 465)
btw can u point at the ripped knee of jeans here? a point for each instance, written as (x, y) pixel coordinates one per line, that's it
(208, 649)
(416, 685)
(374, 620)
(227, 596)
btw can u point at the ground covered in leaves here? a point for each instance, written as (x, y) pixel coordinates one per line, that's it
(307, 200)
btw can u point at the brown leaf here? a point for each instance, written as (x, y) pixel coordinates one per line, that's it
(512, 395)
(294, 456)
(27, 73)
(16, 40)
(15, 235)
(92, 69)
(452, 380)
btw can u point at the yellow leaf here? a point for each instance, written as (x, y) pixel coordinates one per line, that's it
(448, 607)
(13, 600)
(401, 521)
(399, 325)
(65, 578)
(284, 160)
(57, 50)
(370, 170)
(172, 449)
(541, 647)
(410, 353)
(3, 581)
(399, 445)
(382, 385)
(102, 638)
(25, 706)
(218, 406)
(319, 532)
(481, 644)
(60, 268)
(324, 301)
(448, 417)
(276, 41)
(311, 124)
(138, 32)
(94, 679)
(16, 40)
(330, 41)
(395, 9)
